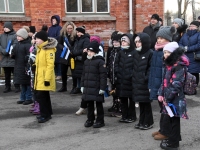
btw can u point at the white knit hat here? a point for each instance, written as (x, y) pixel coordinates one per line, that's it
(172, 46)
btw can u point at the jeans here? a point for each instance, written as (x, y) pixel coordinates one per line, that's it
(26, 93)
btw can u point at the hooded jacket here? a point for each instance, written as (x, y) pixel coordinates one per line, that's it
(124, 68)
(141, 69)
(5, 60)
(174, 71)
(45, 65)
(152, 31)
(20, 53)
(94, 78)
(191, 39)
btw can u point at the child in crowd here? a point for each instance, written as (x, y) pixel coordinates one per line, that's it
(164, 36)
(93, 85)
(116, 42)
(21, 74)
(140, 75)
(44, 74)
(171, 91)
(123, 71)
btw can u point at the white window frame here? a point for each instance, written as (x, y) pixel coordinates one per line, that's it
(7, 11)
(94, 4)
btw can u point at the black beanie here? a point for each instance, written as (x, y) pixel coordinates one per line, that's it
(94, 46)
(81, 29)
(32, 29)
(155, 16)
(8, 25)
(196, 23)
(117, 37)
(42, 35)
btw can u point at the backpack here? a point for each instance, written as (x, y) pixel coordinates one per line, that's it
(190, 84)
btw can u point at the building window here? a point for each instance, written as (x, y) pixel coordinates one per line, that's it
(12, 6)
(87, 6)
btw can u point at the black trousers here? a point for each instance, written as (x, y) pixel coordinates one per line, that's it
(128, 108)
(146, 115)
(43, 98)
(64, 69)
(8, 71)
(197, 77)
(100, 111)
(175, 134)
(83, 104)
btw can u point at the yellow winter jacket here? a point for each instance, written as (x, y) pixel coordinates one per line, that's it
(44, 62)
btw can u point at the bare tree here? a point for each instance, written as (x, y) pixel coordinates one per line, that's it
(185, 6)
(193, 10)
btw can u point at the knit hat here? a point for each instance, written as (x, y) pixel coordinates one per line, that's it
(179, 21)
(196, 23)
(22, 33)
(125, 38)
(94, 46)
(166, 32)
(117, 37)
(8, 25)
(81, 29)
(172, 46)
(32, 29)
(26, 28)
(155, 16)
(95, 38)
(42, 35)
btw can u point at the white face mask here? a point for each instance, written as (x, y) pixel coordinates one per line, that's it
(89, 57)
(138, 49)
(125, 47)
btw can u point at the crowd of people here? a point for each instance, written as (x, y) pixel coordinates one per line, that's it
(150, 65)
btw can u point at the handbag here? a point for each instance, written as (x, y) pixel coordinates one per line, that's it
(196, 56)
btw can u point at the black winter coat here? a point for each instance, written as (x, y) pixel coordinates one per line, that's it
(141, 69)
(80, 44)
(152, 31)
(123, 70)
(180, 31)
(94, 79)
(20, 53)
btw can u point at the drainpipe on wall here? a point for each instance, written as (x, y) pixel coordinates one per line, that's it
(131, 16)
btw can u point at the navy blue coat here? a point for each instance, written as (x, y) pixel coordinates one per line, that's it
(155, 76)
(192, 41)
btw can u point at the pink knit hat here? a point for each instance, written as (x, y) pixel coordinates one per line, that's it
(95, 38)
(172, 46)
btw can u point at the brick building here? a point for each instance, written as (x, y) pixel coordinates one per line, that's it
(101, 17)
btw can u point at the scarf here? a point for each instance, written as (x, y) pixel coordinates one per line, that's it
(159, 46)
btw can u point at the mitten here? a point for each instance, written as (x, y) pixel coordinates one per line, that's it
(46, 83)
(101, 92)
(82, 88)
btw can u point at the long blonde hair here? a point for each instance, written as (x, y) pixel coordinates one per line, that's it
(63, 31)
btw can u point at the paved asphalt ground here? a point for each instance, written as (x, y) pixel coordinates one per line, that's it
(19, 129)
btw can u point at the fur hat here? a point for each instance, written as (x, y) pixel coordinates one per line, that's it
(32, 29)
(196, 23)
(22, 33)
(8, 25)
(42, 35)
(166, 32)
(155, 16)
(172, 46)
(179, 21)
(94, 46)
(81, 29)
(125, 38)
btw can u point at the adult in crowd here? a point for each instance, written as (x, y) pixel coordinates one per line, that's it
(54, 32)
(68, 32)
(178, 23)
(191, 42)
(7, 41)
(152, 29)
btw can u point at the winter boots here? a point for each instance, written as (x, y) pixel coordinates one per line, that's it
(35, 109)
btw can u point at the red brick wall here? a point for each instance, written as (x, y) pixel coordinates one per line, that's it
(40, 13)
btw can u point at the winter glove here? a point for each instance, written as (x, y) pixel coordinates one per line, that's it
(160, 98)
(46, 83)
(82, 88)
(31, 58)
(101, 92)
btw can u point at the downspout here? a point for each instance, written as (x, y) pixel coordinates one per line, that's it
(131, 16)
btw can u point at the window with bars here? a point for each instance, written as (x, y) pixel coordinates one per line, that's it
(87, 6)
(11, 6)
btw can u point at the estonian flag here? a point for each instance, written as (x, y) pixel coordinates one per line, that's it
(65, 54)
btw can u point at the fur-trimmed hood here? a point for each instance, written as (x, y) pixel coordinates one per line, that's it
(177, 58)
(51, 43)
(182, 29)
